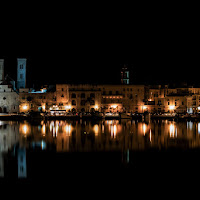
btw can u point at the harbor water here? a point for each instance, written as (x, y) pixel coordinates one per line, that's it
(58, 149)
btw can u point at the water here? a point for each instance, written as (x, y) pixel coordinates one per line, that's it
(52, 150)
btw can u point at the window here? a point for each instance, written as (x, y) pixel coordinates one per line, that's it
(82, 95)
(92, 102)
(21, 66)
(73, 102)
(21, 76)
(62, 95)
(92, 95)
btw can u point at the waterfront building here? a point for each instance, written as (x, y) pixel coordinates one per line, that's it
(103, 98)
(9, 99)
(79, 98)
(31, 100)
(86, 97)
(123, 98)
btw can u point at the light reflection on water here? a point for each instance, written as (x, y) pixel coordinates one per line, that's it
(99, 136)
(88, 136)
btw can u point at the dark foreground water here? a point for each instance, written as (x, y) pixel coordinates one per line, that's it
(109, 151)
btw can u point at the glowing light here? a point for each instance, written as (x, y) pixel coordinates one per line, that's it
(96, 129)
(113, 129)
(96, 107)
(198, 128)
(172, 130)
(25, 107)
(144, 107)
(113, 106)
(43, 107)
(25, 129)
(68, 129)
(68, 107)
(171, 107)
(150, 136)
(43, 129)
(144, 128)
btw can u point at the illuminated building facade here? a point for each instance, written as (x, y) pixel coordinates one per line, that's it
(173, 100)
(86, 98)
(123, 98)
(31, 100)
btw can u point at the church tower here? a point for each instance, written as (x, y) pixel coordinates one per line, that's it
(1, 70)
(21, 73)
(125, 75)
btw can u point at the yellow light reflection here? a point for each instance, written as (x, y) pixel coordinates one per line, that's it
(68, 129)
(24, 129)
(150, 135)
(172, 131)
(113, 130)
(43, 129)
(144, 128)
(96, 129)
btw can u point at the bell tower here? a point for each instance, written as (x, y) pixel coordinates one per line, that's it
(21, 73)
(125, 75)
(1, 70)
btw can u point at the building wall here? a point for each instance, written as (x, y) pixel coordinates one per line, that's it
(112, 98)
(84, 97)
(9, 100)
(122, 98)
(36, 101)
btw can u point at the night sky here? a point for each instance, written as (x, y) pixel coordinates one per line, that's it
(90, 46)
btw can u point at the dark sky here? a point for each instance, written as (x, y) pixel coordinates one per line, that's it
(90, 45)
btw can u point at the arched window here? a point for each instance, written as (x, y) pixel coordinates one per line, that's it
(73, 102)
